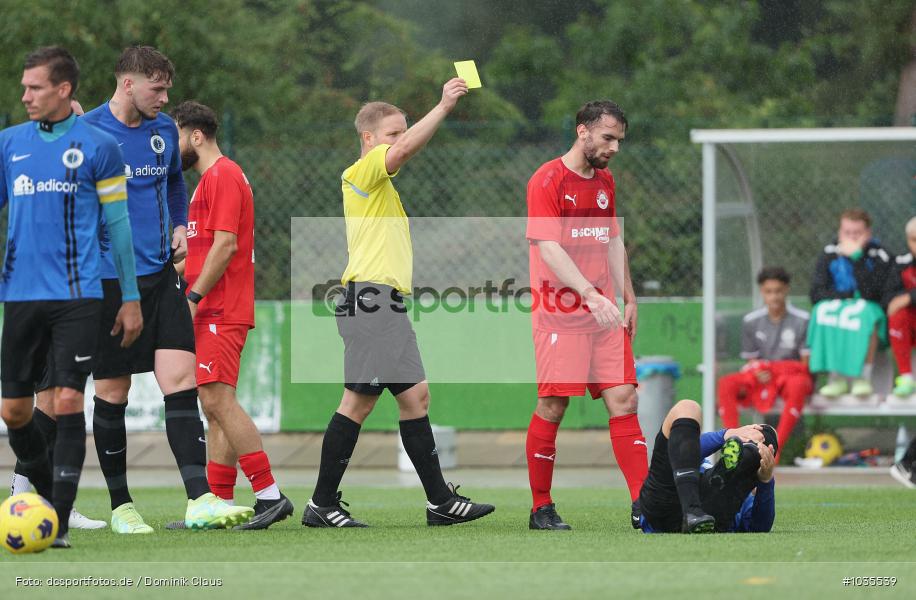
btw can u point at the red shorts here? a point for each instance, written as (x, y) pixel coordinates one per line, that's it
(569, 363)
(219, 352)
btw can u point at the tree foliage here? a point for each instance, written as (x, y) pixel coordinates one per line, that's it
(698, 63)
(281, 67)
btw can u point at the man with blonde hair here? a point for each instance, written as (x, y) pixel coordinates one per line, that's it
(380, 346)
(847, 319)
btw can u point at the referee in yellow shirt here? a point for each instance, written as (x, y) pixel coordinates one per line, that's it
(380, 345)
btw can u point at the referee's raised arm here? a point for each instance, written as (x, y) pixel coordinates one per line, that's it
(416, 137)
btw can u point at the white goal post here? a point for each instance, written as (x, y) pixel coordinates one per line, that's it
(720, 143)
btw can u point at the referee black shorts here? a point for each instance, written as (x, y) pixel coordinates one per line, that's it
(380, 346)
(167, 325)
(65, 329)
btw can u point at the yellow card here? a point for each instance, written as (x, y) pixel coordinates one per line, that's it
(467, 70)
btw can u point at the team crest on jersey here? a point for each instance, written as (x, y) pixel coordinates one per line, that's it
(602, 199)
(157, 144)
(787, 339)
(73, 158)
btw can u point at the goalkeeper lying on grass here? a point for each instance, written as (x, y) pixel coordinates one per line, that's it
(684, 494)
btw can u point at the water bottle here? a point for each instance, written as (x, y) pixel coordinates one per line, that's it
(903, 440)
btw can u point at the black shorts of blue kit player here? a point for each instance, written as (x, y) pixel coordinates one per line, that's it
(167, 325)
(66, 328)
(658, 497)
(380, 346)
(44, 382)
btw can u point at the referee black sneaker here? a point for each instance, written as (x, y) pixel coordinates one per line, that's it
(458, 509)
(699, 522)
(268, 512)
(329, 516)
(61, 541)
(546, 517)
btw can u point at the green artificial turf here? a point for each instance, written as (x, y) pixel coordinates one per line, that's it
(821, 535)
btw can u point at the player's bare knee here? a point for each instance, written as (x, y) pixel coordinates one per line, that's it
(359, 413)
(423, 402)
(114, 390)
(687, 409)
(178, 373)
(16, 414)
(414, 402)
(356, 407)
(68, 401)
(683, 409)
(621, 400)
(212, 404)
(211, 414)
(178, 383)
(552, 409)
(44, 401)
(628, 403)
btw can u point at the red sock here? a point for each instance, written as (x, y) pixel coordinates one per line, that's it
(541, 450)
(256, 467)
(630, 450)
(221, 479)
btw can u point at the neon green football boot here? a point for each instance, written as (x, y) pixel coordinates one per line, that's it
(210, 512)
(731, 453)
(834, 389)
(126, 519)
(862, 388)
(904, 386)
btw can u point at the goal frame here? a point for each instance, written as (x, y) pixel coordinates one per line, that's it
(715, 141)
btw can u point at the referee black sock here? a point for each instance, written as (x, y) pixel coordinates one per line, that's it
(684, 454)
(69, 454)
(336, 449)
(32, 456)
(48, 429)
(111, 447)
(420, 445)
(185, 431)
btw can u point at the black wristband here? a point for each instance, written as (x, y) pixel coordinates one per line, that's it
(194, 297)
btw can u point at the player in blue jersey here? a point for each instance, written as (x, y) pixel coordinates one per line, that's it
(58, 174)
(45, 420)
(157, 203)
(684, 494)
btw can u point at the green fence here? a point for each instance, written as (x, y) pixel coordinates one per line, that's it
(671, 327)
(266, 392)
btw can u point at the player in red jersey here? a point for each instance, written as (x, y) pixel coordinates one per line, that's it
(220, 275)
(900, 303)
(581, 341)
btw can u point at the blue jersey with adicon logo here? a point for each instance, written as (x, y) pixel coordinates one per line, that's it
(156, 196)
(55, 190)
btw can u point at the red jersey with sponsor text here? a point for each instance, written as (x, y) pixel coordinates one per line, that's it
(580, 215)
(223, 202)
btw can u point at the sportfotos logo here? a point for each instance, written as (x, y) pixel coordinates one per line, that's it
(332, 298)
